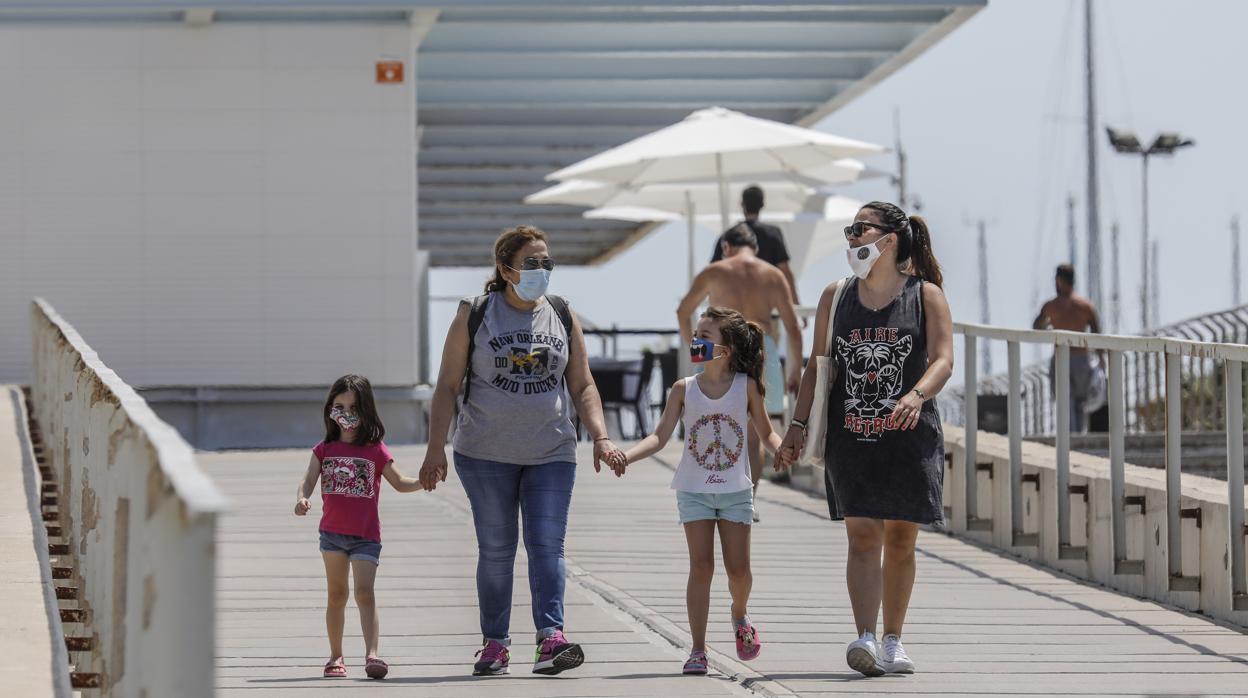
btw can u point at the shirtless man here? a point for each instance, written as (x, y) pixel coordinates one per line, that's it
(752, 287)
(1072, 312)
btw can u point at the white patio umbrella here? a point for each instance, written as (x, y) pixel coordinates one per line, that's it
(811, 234)
(787, 193)
(720, 145)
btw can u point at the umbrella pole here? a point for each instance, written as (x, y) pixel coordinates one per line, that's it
(690, 218)
(723, 191)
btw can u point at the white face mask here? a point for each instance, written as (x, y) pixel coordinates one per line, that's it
(861, 259)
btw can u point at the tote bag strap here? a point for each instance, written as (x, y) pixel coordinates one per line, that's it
(836, 301)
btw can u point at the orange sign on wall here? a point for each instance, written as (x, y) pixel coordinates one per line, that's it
(389, 72)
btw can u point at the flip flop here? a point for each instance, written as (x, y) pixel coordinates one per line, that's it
(335, 668)
(376, 668)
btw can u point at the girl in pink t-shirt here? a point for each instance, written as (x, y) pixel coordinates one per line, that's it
(350, 464)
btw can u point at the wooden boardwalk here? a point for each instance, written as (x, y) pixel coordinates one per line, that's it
(979, 624)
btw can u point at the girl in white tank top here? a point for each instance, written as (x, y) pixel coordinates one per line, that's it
(714, 490)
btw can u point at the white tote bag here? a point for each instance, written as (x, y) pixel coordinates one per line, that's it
(825, 374)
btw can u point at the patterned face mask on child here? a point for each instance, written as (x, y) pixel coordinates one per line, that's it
(344, 419)
(702, 350)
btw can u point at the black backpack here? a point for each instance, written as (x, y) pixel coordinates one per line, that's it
(476, 315)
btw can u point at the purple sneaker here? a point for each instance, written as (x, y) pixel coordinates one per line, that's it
(695, 665)
(555, 654)
(494, 658)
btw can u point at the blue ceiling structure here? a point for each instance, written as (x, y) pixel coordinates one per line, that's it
(509, 91)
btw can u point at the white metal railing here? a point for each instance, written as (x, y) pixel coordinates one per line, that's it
(138, 519)
(1168, 353)
(1143, 384)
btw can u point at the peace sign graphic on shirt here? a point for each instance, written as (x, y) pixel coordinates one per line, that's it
(718, 453)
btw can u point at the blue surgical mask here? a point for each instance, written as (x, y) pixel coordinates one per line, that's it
(533, 283)
(702, 350)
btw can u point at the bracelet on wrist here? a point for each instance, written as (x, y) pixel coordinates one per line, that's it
(800, 424)
(602, 438)
(920, 393)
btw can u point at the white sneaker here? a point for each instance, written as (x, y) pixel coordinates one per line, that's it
(895, 659)
(863, 656)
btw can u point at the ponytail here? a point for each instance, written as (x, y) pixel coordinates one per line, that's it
(922, 258)
(914, 241)
(745, 338)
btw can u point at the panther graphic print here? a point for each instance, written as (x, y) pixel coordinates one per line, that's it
(352, 477)
(872, 362)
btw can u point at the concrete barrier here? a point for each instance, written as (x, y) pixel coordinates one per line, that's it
(1206, 544)
(139, 516)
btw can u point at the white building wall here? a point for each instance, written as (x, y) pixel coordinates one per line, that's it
(228, 205)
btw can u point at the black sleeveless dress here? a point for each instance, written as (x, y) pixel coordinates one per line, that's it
(874, 469)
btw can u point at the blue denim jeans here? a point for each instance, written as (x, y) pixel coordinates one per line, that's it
(542, 495)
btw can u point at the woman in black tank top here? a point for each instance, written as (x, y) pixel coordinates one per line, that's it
(892, 341)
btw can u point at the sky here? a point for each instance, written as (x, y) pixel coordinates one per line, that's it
(992, 123)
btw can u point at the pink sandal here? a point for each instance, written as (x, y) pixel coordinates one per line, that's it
(335, 668)
(376, 668)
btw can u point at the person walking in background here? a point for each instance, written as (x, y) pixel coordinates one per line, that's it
(771, 247)
(892, 343)
(1074, 313)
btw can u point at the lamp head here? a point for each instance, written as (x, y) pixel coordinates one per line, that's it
(1167, 143)
(1123, 141)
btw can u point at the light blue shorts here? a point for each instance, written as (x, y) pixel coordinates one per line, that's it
(705, 506)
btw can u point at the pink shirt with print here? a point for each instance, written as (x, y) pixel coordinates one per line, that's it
(350, 487)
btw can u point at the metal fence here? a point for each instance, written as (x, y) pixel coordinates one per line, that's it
(1164, 359)
(1144, 382)
(137, 522)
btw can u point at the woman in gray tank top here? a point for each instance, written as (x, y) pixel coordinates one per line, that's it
(520, 357)
(892, 342)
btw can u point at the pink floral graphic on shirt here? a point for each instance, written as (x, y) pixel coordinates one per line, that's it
(352, 477)
(719, 450)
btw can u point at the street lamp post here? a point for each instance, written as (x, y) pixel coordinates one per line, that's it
(1164, 144)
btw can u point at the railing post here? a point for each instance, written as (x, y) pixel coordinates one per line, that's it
(1174, 476)
(1015, 417)
(1061, 374)
(1235, 479)
(971, 402)
(1117, 474)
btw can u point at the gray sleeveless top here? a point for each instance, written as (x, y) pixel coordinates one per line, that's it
(518, 410)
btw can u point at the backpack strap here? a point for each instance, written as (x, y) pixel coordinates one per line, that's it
(476, 315)
(560, 306)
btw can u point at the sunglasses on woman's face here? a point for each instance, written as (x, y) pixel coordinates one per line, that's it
(531, 263)
(859, 228)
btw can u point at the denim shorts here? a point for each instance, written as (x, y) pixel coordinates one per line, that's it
(354, 547)
(737, 507)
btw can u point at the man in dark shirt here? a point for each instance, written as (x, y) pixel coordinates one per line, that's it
(771, 247)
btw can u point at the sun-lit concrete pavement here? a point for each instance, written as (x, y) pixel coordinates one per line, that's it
(979, 624)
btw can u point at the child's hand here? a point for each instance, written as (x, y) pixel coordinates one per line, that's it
(433, 470)
(302, 506)
(618, 462)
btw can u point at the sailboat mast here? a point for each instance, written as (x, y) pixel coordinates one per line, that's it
(1093, 201)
